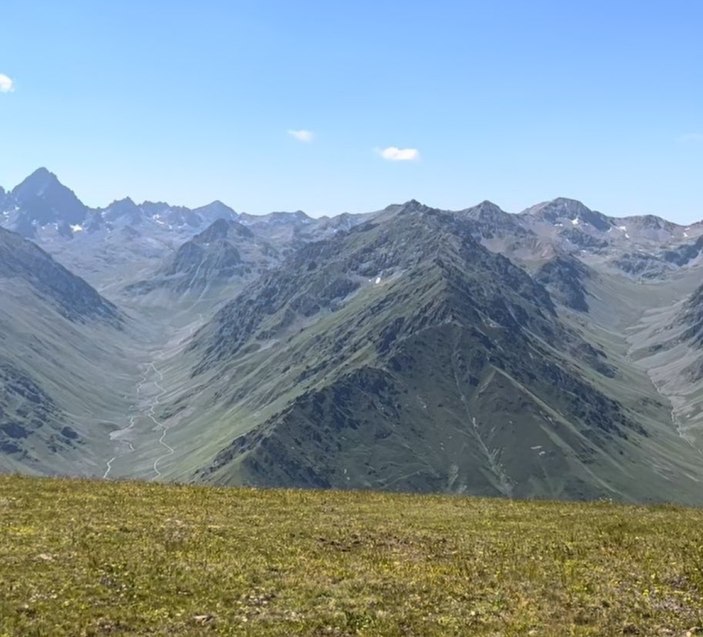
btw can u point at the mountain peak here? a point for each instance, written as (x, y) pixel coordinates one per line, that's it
(650, 221)
(563, 209)
(559, 206)
(37, 182)
(42, 172)
(43, 199)
(215, 204)
(223, 229)
(486, 208)
(413, 206)
(216, 210)
(122, 208)
(486, 212)
(568, 201)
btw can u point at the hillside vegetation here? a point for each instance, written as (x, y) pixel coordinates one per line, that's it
(82, 557)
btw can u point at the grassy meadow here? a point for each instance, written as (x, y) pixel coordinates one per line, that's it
(81, 557)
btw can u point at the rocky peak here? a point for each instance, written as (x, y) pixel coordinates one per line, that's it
(35, 184)
(222, 229)
(122, 208)
(486, 211)
(564, 210)
(43, 199)
(215, 210)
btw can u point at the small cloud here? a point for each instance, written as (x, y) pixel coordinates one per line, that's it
(691, 138)
(392, 153)
(7, 85)
(302, 135)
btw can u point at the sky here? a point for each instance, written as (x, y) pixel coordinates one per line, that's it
(351, 106)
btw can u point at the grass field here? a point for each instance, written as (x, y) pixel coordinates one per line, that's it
(125, 558)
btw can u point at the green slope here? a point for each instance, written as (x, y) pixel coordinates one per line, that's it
(398, 354)
(405, 356)
(126, 558)
(62, 363)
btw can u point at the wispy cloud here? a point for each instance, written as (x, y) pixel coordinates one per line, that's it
(302, 135)
(7, 85)
(691, 138)
(393, 153)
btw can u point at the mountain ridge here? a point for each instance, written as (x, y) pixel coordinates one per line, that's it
(547, 353)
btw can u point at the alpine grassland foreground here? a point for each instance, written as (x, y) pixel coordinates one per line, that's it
(81, 557)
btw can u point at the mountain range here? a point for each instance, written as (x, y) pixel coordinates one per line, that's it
(553, 353)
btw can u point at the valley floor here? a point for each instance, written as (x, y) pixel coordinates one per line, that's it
(80, 557)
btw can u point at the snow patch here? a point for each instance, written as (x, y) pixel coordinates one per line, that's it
(378, 280)
(575, 221)
(623, 228)
(627, 236)
(76, 227)
(558, 225)
(685, 234)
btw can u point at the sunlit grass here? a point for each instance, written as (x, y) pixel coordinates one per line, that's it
(100, 558)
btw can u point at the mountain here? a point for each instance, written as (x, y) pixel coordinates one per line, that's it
(108, 246)
(569, 212)
(322, 274)
(223, 252)
(574, 222)
(554, 353)
(404, 355)
(120, 244)
(490, 221)
(60, 361)
(288, 231)
(656, 262)
(41, 199)
(23, 261)
(124, 210)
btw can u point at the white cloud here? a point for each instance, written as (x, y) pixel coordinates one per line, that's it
(691, 138)
(6, 84)
(392, 153)
(302, 135)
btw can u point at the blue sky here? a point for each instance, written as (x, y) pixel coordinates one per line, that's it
(446, 102)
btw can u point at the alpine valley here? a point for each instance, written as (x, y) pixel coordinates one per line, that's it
(553, 353)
